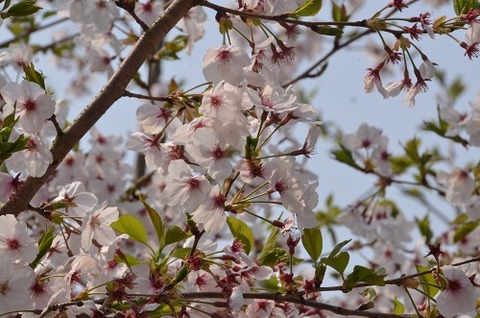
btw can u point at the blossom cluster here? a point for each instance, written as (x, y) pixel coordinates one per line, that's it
(213, 224)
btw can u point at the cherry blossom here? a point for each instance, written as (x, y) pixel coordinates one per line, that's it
(373, 81)
(273, 99)
(459, 296)
(74, 200)
(193, 25)
(366, 137)
(225, 63)
(460, 186)
(15, 243)
(212, 212)
(185, 189)
(211, 153)
(97, 227)
(14, 282)
(30, 103)
(9, 185)
(32, 161)
(149, 11)
(149, 145)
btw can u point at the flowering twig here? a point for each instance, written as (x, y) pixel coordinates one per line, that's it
(110, 93)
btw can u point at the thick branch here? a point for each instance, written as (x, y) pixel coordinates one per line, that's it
(109, 94)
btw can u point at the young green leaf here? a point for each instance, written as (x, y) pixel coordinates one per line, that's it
(157, 223)
(129, 224)
(308, 8)
(366, 275)
(398, 307)
(269, 245)
(427, 280)
(22, 9)
(338, 247)
(44, 245)
(241, 232)
(32, 75)
(312, 240)
(464, 230)
(175, 234)
(339, 262)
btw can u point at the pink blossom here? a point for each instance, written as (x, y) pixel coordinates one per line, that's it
(226, 63)
(30, 103)
(212, 154)
(75, 200)
(15, 242)
(97, 227)
(149, 145)
(14, 282)
(34, 160)
(148, 12)
(185, 189)
(273, 99)
(460, 186)
(212, 212)
(459, 296)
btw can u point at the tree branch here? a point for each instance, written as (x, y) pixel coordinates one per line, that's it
(292, 298)
(108, 95)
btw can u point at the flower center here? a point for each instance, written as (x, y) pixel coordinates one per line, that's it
(29, 104)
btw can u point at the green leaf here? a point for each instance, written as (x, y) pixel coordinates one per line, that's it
(366, 275)
(22, 9)
(411, 149)
(424, 227)
(175, 234)
(157, 223)
(312, 240)
(251, 151)
(327, 30)
(369, 293)
(345, 156)
(241, 232)
(398, 307)
(44, 245)
(308, 8)
(338, 247)
(127, 259)
(463, 6)
(171, 48)
(339, 12)
(6, 5)
(181, 252)
(427, 281)
(464, 230)
(273, 256)
(269, 245)
(338, 262)
(8, 148)
(129, 224)
(32, 75)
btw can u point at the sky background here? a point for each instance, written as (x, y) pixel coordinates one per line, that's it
(339, 97)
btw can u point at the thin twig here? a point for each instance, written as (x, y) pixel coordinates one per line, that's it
(152, 98)
(30, 31)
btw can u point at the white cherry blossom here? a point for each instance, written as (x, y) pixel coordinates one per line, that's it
(459, 297)
(15, 242)
(30, 103)
(185, 189)
(15, 280)
(226, 63)
(97, 227)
